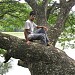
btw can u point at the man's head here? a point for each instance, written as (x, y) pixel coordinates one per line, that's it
(32, 15)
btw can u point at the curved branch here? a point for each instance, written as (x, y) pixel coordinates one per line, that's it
(71, 3)
(52, 8)
(40, 59)
(45, 3)
(62, 1)
(16, 45)
(60, 22)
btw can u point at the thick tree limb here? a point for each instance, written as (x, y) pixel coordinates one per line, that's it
(40, 60)
(60, 22)
(62, 1)
(71, 3)
(45, 3)
(52, 8)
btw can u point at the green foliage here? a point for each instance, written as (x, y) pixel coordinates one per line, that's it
(52, 19)
(39, 2)
(67, 38)
(13, 15)
(2, 51)
(4, 68)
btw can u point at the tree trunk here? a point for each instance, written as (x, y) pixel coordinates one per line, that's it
(39, 59)
(41, 17)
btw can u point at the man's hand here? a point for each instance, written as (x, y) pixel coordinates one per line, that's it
(28, 42)
(45, 28)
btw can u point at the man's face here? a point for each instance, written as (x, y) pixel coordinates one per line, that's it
(32, 17)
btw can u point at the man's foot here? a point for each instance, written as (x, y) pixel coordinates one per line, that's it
(31, 40)
(49, 43)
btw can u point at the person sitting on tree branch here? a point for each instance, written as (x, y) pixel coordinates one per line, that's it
(32, 34)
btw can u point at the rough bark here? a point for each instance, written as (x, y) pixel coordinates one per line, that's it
(56, 31)
(40, 59)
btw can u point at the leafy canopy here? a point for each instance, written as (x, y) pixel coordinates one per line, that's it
(13, 15)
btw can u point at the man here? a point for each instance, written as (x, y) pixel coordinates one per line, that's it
(31, 34)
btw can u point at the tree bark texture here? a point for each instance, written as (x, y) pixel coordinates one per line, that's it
(40, 59)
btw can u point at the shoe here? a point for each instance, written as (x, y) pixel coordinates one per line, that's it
(31, 40)
(48, 44)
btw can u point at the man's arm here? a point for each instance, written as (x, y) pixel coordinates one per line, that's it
(26, 32)
(43, 27)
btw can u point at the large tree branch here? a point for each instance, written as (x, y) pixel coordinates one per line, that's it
(71, 3)
(40, 60)
(60, 22)
(45, 3)
(52, 8)
(13, 44)
(62, 1)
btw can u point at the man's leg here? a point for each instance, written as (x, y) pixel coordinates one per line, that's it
(41, 30)
(38, 36)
